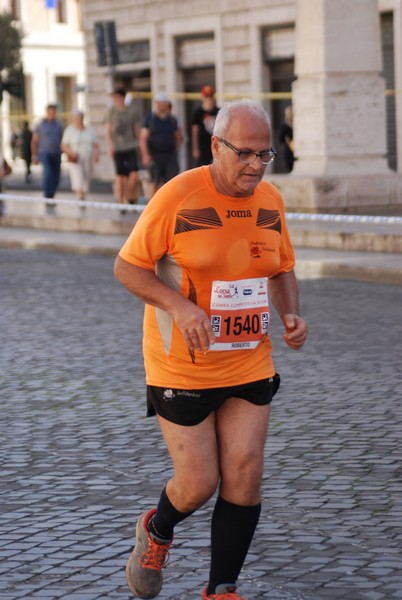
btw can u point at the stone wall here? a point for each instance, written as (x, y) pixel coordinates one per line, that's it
(338, 97)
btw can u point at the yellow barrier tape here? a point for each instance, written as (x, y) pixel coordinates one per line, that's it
(24, 116)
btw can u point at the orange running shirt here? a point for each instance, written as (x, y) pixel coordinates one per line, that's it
(192, 236)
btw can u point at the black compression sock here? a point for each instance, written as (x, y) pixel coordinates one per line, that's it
(233, 528)
(166, 517)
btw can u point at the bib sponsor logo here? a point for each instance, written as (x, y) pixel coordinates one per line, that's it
(225, 292)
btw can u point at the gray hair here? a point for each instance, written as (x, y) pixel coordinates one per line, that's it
(230, 109)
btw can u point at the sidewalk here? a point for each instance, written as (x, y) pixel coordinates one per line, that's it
(312, 263)
(16, 181)
(345, 247)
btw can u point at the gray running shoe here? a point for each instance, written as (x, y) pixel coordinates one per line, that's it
(143, 569)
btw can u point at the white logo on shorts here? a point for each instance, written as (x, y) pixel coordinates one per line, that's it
(168, 394)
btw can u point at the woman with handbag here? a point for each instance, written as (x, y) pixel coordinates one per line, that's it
(80, 145)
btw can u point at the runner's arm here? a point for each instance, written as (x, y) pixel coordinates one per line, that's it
(192, 321)
(284, 293)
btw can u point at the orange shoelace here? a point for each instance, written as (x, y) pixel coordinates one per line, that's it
(227, 596)
(156, 557)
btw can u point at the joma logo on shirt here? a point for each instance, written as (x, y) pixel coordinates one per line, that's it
(238, 214)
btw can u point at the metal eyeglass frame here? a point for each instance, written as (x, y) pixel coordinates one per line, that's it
(271, 153)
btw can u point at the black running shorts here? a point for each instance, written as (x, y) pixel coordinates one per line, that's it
(190, 407)
(125, 162)
(163, 167)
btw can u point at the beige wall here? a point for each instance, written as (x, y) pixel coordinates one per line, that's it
(237, 28)
(237, 33)
(50, 50)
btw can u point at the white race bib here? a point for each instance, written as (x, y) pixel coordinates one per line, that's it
(239, 313)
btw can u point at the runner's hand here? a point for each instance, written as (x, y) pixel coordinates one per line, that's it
(296, 331)
(195, 326)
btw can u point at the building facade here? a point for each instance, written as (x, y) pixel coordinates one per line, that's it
(53, 60)
(75, 51)
(243, 49)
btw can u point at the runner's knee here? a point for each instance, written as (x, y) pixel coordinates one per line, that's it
(196, 490)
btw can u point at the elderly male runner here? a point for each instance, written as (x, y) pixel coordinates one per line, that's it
(208, 255)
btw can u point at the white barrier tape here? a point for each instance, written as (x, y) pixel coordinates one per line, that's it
(140, 207)
(79, 203)
(343, 218)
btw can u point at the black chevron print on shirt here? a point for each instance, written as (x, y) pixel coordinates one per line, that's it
(269, 219)
(202, 218)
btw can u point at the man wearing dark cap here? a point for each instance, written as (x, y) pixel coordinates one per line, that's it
(45, 146)
(122, 134)
(202, 125)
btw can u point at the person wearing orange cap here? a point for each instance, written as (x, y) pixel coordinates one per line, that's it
(202, 125)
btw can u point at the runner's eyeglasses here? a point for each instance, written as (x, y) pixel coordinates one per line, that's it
(247, 156)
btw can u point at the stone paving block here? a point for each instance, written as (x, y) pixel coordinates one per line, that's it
(49, 594)
(80, 461)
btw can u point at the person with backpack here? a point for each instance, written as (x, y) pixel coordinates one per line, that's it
(160, 139)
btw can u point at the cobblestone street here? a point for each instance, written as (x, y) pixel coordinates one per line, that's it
(80, 462)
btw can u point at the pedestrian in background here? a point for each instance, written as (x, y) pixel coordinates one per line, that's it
(122, 135)
(26, 152)
(160, 139)
(286, 138)
(81, 147)
(45, 146)
(208, 255)
(14, 142)
(202, 126)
